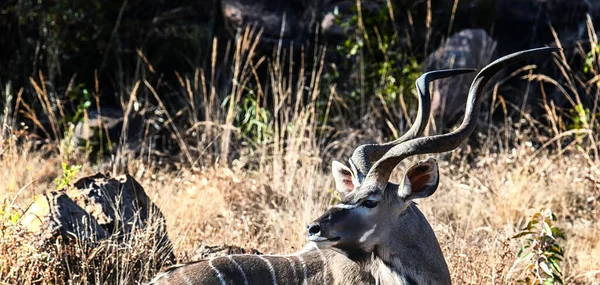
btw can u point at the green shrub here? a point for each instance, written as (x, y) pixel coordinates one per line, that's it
(541, 253)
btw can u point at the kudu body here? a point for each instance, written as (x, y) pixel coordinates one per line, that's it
(376, 235)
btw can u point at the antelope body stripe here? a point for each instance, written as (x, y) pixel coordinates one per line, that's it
(219, 275)
(237, 265)
(293, 266)
(325, 268)
(305, 282)
(271, 269)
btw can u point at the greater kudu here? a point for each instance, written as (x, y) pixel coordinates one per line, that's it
(376, 235)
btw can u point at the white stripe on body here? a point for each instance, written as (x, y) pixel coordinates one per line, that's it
(237, 265)
(293, 265)
(271, 269)
(303, 269)
(324, 266)
(219, 275)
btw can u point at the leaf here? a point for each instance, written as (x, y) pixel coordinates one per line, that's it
(544, 266)
(547, 229)
(523, 233)
(558, 279)
(557, 233)
(14, 217)
(555, 266)
(520, 251)
(533, 221)
(555, 248)
(526, 256)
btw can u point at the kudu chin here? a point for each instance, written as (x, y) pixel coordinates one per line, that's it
(376, 235)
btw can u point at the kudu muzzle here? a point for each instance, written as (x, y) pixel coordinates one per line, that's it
(322, 229)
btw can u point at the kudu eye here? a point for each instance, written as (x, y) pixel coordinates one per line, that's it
(369, 204)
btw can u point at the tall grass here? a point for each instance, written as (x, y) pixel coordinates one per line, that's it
(253, 171)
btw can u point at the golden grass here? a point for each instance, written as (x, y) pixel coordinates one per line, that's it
(265, 198)
(477, 208)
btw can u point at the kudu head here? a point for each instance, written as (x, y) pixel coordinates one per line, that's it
(371, 205)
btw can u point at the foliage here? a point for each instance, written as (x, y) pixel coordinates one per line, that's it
(581, 117)
(541, 252)
(83, 100)
(378, 67)
(95, 47)
(69, 174)
(254, 120)
(7, 213)
(62, 31)
(63, 38)
(591, 58)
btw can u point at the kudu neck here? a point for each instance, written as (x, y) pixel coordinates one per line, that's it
(411, 252)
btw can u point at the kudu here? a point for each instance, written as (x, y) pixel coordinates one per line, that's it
(376, 235)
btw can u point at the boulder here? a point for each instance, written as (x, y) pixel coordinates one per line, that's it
(107, 127)
(95, 208)
(471, 48)
(289, 20)
(55, 214)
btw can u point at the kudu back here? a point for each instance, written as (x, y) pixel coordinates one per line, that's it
(376, 235)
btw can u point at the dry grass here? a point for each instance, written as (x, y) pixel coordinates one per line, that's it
(265, 198)
(477, 207)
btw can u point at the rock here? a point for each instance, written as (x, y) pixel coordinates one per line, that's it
(95, 208)
(212, 251)
(289, 20)
(466, 49)
(107, 127)
(119, 204)
(55, 214)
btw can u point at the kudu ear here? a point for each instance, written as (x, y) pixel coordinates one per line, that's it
(420, 181)
(345, 179)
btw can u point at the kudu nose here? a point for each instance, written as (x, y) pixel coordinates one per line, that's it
(314, 229)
